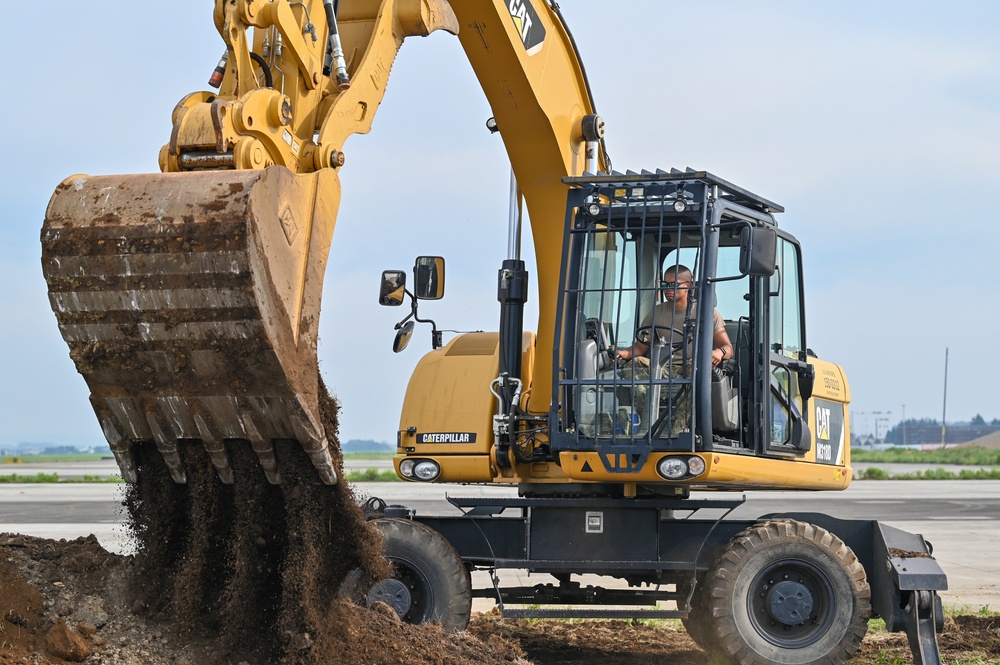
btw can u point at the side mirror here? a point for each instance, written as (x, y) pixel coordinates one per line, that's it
(402, 337)
(428, 278)
(758, 251)
(807, 378)
(393, 288)
(807, 382)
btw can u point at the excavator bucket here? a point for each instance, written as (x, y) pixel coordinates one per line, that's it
(190, 303)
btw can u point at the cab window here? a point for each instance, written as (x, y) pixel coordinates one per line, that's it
(786, 303)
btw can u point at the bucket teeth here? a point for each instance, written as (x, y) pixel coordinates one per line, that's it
(323, 462)
(268, 460)
(126, 463)
(315, 444)
(263, 448)
(220, 460)
(120, 447)
(166, 443)
(214, 446)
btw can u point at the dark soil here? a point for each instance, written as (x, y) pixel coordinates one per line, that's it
(966, 639)
(52, 592)
(56, 593)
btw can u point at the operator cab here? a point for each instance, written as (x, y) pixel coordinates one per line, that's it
(623, 232)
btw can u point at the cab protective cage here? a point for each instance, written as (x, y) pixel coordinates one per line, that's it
(627, 417)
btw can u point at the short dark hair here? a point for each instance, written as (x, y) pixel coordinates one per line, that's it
(680, 271)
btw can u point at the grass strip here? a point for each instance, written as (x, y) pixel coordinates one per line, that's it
(373, 476)
(875, 473)
(41, 478)
(968, 456)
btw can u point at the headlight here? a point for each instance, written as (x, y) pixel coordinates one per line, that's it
(406, 468)
(673, 468)
(696, 465)
(426, 470)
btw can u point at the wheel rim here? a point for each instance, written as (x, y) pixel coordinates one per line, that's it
(791, 603)
(393, 593)
(420, 592)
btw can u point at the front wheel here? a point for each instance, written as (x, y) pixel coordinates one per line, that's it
(429, 580)
(788, 592)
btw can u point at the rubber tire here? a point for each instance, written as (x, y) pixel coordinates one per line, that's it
(842, 602)
(697, 621)
(439, 583)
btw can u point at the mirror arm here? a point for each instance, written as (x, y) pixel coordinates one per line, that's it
(436, 338)
(413, 310)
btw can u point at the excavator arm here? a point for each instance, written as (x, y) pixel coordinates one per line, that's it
(190, 299)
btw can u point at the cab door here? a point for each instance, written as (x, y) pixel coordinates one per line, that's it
(787, 430)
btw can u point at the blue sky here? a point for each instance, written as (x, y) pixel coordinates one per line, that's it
(877, 126)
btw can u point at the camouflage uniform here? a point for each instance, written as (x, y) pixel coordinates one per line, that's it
(666, 318)
(638, 370)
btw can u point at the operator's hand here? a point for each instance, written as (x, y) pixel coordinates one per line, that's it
(716, 357)
(623, 354)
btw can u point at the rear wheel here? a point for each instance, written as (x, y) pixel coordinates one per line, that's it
(429, 581)
(788, 592)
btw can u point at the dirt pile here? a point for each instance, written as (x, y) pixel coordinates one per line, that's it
(69, 602)
(75, 591)
(965, 639)
(243, 573)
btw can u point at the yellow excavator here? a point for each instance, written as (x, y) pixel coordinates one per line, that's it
(190, 302)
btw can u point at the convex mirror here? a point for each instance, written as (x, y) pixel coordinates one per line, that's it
(402, 337)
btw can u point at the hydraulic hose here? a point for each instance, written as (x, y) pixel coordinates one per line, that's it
(334, 49)
(268, 79)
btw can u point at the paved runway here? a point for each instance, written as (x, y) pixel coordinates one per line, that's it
(960, 518)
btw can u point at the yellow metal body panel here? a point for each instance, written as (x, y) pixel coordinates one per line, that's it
(455, 468)
(828, 407)
(449, 395)
(723, 471)
(483, 469)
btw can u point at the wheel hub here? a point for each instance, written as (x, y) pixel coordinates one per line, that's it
(790, 602)
(393, 593)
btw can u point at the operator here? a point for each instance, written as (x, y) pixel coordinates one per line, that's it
(673, 313)
(677, 307)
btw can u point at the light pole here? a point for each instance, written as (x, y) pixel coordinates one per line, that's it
(944, 405)
(902, 424)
